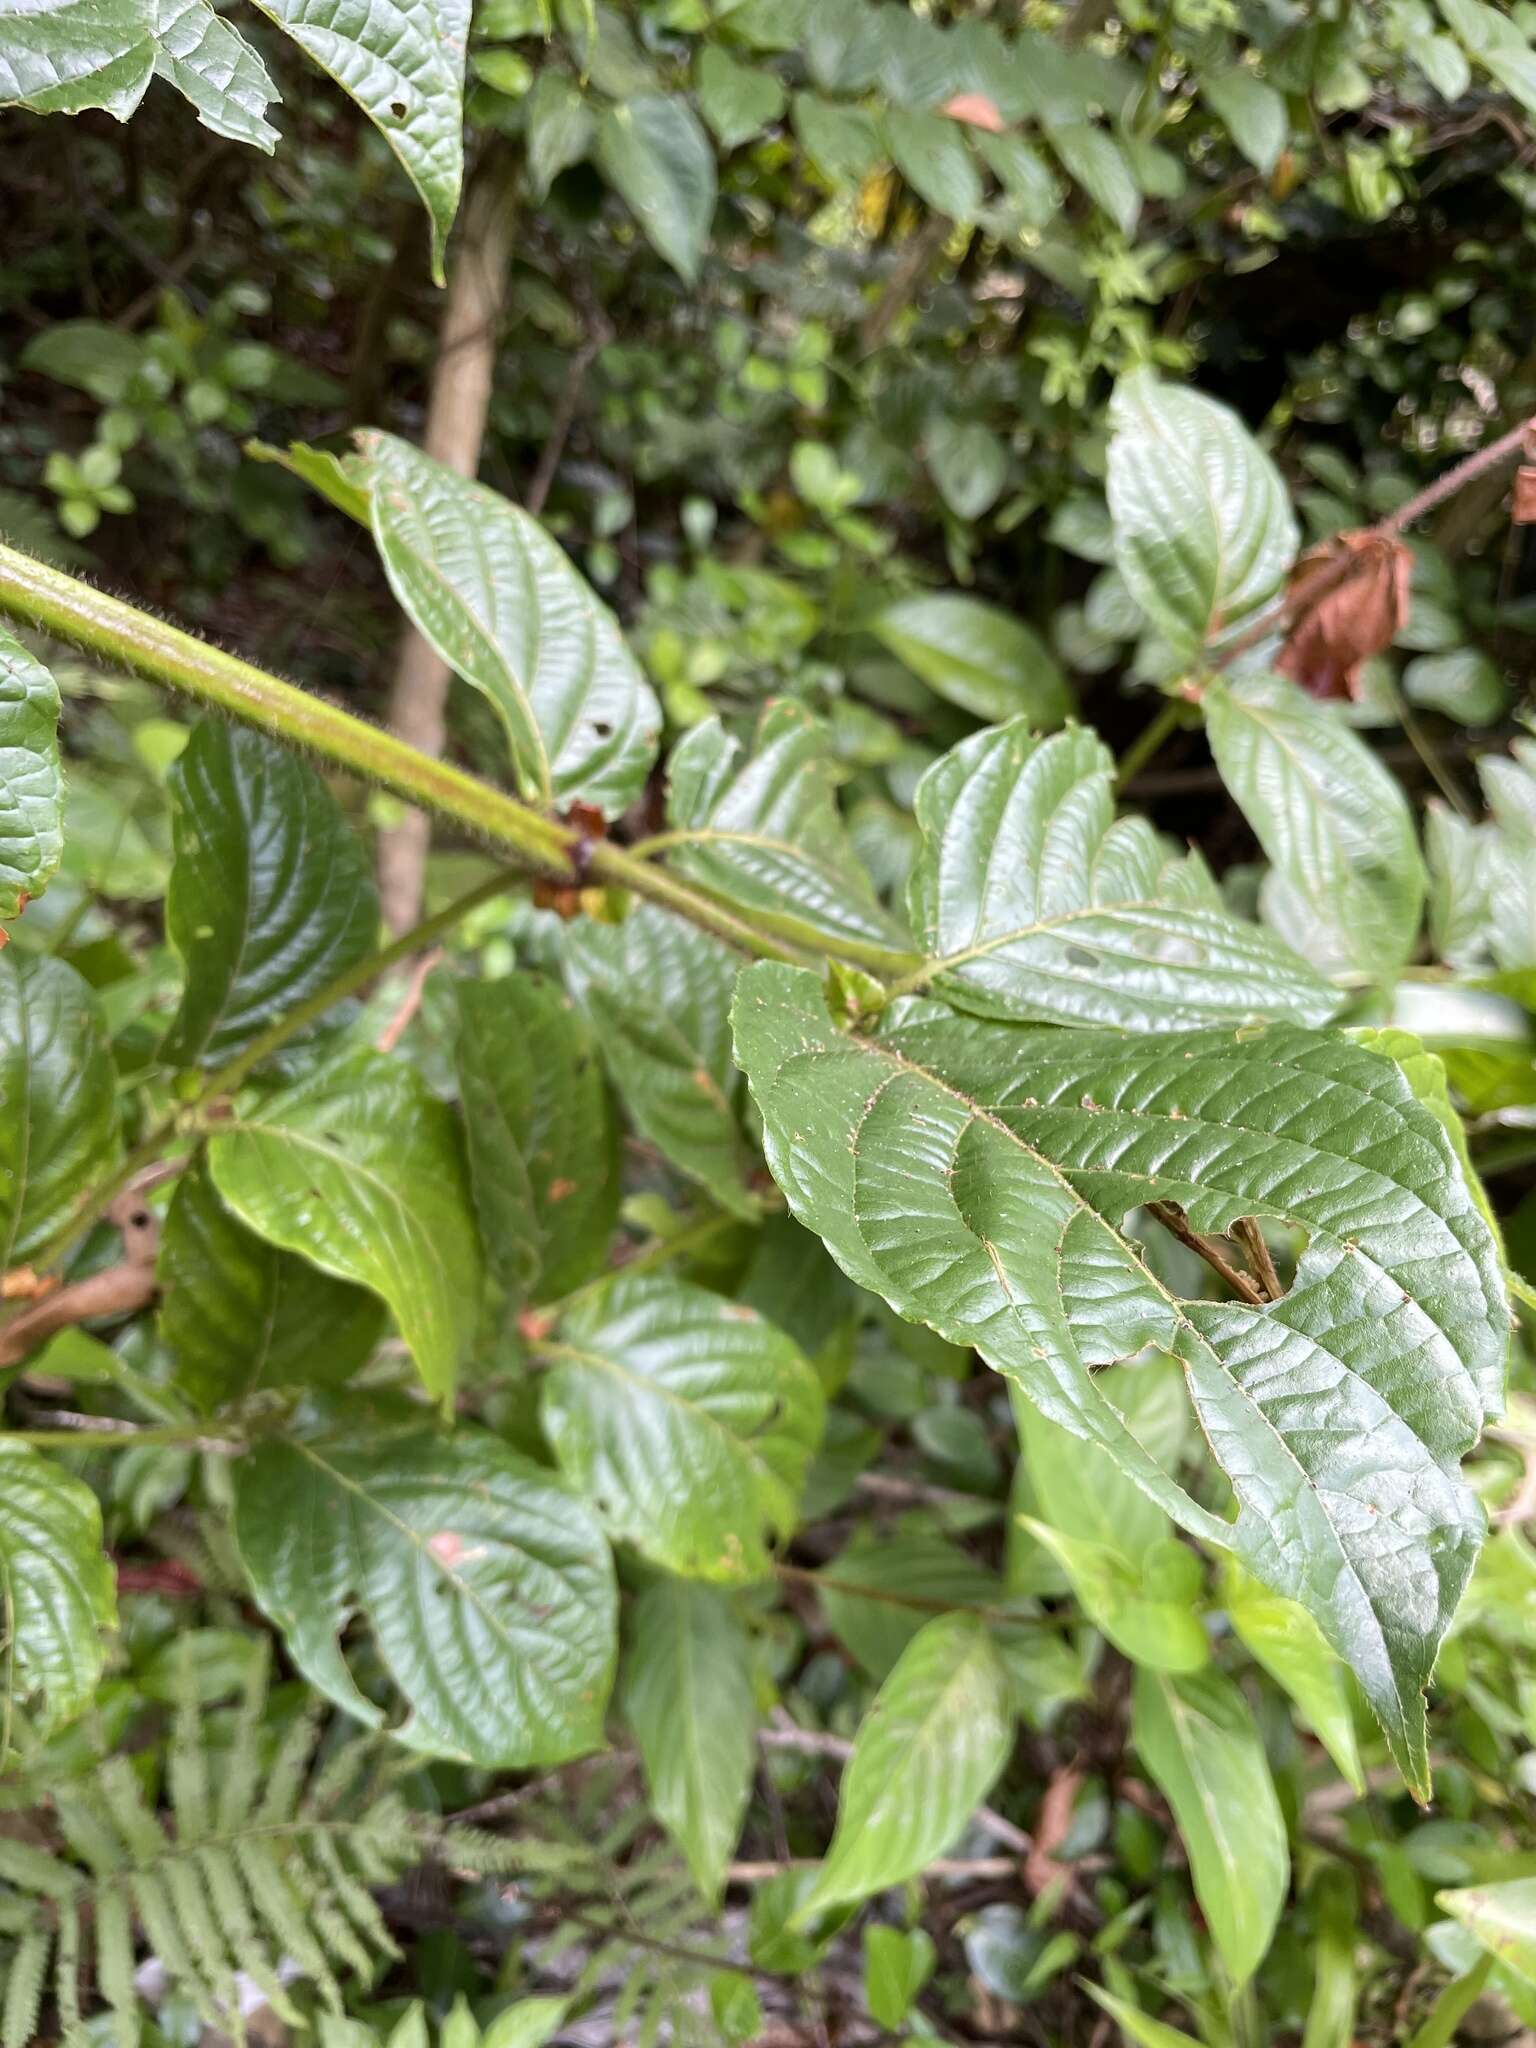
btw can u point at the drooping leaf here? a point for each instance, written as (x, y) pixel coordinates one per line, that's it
(57, 1591)
(1251, 111)
(658, 992)
(978, 657)
(1198, 1740)
(687, 1419)
(765, 834)
(1347, 880)
(926, 1755)
(737, 100)
(358, 1170)
(59, 1130)
(685, 1688)
(211, 64)
(404, 66)
(31, 780)
(560, 129)
(932, 154)
(1097, 161)
(1502, 1917)
(239, 1313)
(505, 608)
(1288, 1643)
(68, 55)
(1034, 902)
(487, 1586)
(975, 1176)
(543, 1144)
(270, 897)
(1204, 532)
(655, 155)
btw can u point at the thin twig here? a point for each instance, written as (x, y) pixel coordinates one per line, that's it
(1251, 1238)
(564, 419)
(1173, 1220)
(410, 1002)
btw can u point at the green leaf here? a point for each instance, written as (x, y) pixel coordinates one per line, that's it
(1139, 2026)
(932, 154)
(1498, 45)
(59, 1133)
(1253, 113)
(685, 1688)
(926, 1755)
(68, 55)
(358, 1169)
(1198, 1740)
(765, 833)
(560, 127)
(1502, 1917)
(687, 1419)
(975, 656)
(737, 100)
(57, 1589)
(657, 992)
(31, 780)
(543, 1142)
(530, 2023)
(503, 606)
(240, 1314)
(1093, 157)
(843, 142)
(211, 64)
(1204, 532)
(968, 463)
(655, 155)
(1036, 903)
(1285, 1639)
(975, 1175)
(896, 1967)
(1348, 881)
(271, 895)
(487, 1585)
(405, 68)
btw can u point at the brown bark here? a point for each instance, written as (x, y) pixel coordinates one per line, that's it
(455, 429)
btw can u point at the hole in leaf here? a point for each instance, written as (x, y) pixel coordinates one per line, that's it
(602, 728)
(399, 109)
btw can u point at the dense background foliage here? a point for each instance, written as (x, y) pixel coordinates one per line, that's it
(412, 1630)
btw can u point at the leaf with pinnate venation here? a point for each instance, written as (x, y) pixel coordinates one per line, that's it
(1198, 1739)
(764, 832)
(505, 608)
(31, 780)
(1285, 1639)
(238, 1313)
(543, 1142)
(926, 1755)
(976, 1175)
(487, 1585)
(358, 1169)
(211, 64)
(687, 1419)
(655, 155)
(57, 1590)
(1503, 1919)
(59, 1131)
(404, 66)
(685, 1688)
(974, 655)
(271, 895)
(658, 993)
(737, 100)
(1035, 902)
(1347, 880)
(1204, 532)
(70, 55)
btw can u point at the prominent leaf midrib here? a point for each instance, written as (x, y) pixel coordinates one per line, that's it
(917, 1736)
(1180, 1715)
(742, 1444)
(941, 963)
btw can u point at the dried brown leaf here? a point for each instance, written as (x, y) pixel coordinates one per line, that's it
(1348, 600)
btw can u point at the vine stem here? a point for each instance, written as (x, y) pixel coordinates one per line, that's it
(41, 596)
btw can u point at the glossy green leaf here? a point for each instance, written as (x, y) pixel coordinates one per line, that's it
(858, 1591)
(57, 1589)
(68, 55)
(31, 780)
(926, 1755)
(685, 1688)
(1347, 880)
(560, 129)
(968, 463)
(897, 1965)
(975, 1175)
(1198, 1740)
(976, 656)
(1251, 111)
(240, 1314)
(764, 833)
(1285, 1639)
(1204, 532)
(59, 1133)
(657, 992)
(271, 895)
(1503, 1918)
(737, 100)
(655, 155)
(1096, 160)
(1034, 902)
(211, 64)
(543, 1143)
(527, 2023)
(404, 66)
(487, 1586)
(358, 1169)
(688, 1420)
(505, 608)
(1136, 2025)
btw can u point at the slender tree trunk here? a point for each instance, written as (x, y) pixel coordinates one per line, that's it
(456, 415)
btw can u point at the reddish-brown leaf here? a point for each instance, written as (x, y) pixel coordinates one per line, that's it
(976, 111)
(1524, 512)
(1348, 601)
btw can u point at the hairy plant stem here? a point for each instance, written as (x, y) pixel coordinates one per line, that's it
(104, 626)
